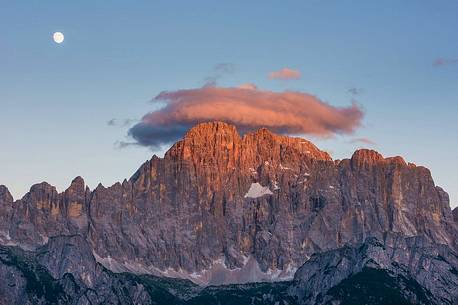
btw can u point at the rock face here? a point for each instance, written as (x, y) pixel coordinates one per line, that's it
(396, 270)
(225, 208)
(64, 271)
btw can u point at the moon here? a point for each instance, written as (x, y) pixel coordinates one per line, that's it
(58, 37)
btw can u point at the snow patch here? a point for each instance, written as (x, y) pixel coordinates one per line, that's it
(273, 273)
(87, 279)
(284, 167)
(245, 259)
(109, 263)
(218, 273)
(44, 238)
(282, 275)
(6, 240)
(257, 190)
(137, 268)
(290, 271)
(275, 186)
(6, 235)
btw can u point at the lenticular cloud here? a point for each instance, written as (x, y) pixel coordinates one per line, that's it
(285, 74)
(248, 108)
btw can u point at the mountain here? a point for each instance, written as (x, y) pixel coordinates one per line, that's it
(221, 208)
(64, 271)
(396, 270)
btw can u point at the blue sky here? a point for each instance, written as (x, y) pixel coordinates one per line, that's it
(55, 100)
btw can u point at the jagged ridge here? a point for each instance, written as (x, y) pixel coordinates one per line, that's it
(395, 270)
(186, 215)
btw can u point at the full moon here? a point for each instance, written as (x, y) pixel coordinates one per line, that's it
(58, 37)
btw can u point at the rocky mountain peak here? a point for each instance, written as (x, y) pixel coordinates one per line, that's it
(219, 140)
(204, 142)
(265, 140)
(455, 214)
(370, 157)
(228, 208)
(211, 128)
(77, 186)
(402, 262)
(42, 191)
(264, 134)
(78, 182)
(5, 195)
(363, 157)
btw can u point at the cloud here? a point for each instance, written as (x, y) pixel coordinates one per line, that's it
(285, 73)
(249, 86)
(148, 133)
(124, 144)
(218, 72)
(355, 91)
(120, 123)
(286, 112)
(439, 62)
(363, 141)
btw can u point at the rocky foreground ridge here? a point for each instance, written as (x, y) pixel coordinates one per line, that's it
(394, 270)
(223, 208)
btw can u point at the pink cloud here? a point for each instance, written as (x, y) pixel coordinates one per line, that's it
(248, 86)
(248, 108)
(444, 62)
(363, 141)
(285, 73)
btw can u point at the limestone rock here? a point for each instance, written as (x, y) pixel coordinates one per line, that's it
(186, 215)
(394, 270)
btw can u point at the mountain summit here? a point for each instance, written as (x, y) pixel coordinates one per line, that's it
(224, 208)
